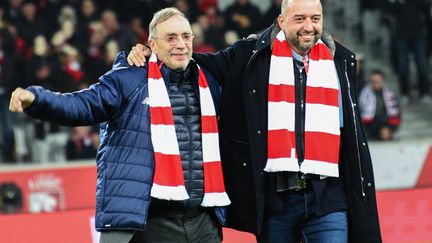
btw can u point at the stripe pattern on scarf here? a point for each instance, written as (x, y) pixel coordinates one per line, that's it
(168, 181)
(322, 134)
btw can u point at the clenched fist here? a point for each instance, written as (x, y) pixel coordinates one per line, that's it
(20, 100)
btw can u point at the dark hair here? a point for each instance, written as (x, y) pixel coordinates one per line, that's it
(378, 72)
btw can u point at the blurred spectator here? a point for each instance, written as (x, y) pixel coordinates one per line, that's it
(44, 69)
(203, 5)
(87, 14)
(94, 55)
(116, 32)
(7, 84)
(68, 26)
(379, 108)
(23, 129)
(71, 64)
(37, 69)
(411, 37)
(243, 17)
(47, 142)
(13, 11)
(199, 45)
(271, 15)
(111, 50)
(184, 7)
(31, 25)
(367, 29)
(68, 57)
(126, 9)
(82, 144)
(86, 17)
(230, 37)
(212, 25)
(50, 10)
(141, 34)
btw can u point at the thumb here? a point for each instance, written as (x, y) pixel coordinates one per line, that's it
(26, 96)
(147, 52)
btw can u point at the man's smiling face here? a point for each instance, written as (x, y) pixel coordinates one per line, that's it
(173, 42)
(302, 23)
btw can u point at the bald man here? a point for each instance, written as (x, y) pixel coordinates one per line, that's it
(295, 157)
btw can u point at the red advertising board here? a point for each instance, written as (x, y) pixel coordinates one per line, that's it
(69, 194)
(406, 215)
(55, 189)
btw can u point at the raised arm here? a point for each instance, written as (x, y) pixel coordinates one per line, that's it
(222, 64)
(97, 104)
(85, 107)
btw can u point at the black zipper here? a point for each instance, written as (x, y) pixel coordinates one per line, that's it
(356, 133)
(302, 115)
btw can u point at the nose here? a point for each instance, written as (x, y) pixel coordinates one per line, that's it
(308, 25)
(180, 43)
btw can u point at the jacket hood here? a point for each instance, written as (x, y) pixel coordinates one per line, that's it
(269, 34)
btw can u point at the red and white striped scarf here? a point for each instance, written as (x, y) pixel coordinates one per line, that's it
(168, 181)
(321, 139)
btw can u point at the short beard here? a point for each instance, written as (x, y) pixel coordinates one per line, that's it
(294, 41)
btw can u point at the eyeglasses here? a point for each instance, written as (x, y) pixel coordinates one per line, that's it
(173, 40)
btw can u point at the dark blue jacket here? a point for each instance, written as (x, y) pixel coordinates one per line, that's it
(125, 160)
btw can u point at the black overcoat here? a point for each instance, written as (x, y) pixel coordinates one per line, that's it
(243, 70)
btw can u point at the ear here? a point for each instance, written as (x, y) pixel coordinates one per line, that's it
(152, 44)
(280, 21)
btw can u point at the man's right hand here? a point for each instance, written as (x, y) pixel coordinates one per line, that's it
(20, 100)
(137, 56)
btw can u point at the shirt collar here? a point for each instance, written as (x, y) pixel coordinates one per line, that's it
(298, 57)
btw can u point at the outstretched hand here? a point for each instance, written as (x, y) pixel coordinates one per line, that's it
(20, 100)
(137, 56)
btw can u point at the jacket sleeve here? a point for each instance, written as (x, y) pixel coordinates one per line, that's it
(223, 63)
(85, 107)
(99, 103)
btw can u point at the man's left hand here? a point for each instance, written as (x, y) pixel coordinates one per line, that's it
(137, 56)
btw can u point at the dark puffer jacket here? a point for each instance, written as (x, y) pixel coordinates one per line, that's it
(184, 97)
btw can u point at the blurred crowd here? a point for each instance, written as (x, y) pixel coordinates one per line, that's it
(408, 28)
(65, 45)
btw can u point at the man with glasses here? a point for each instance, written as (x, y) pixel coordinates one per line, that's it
(159, 170)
